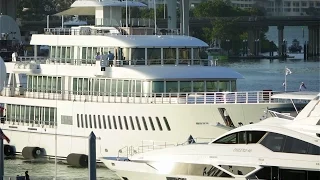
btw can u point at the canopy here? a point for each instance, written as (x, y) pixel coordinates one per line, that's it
(301, 95)
(82, 11)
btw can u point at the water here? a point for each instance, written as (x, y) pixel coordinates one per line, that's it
(258, 74)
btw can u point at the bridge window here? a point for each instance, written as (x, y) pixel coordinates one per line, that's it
(293, 145)
(233, 85)
(198, 86)
(184, 55)
(171, 86)
(224, 86)
(138, 56)
(212, 86)
(244, 137)
(157, 86)
(169, 55)
(274, 141)
(185, 86)
(154, 55)
(313, 149)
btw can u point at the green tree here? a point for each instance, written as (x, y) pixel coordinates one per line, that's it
(35, 10)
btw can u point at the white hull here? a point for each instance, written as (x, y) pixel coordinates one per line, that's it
(198, 120)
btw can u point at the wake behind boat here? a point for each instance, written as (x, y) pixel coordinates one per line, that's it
(274, 148)
(125, 84)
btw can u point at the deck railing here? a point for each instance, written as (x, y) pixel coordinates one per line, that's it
(146, 98)
(150, 145)
(117, 63)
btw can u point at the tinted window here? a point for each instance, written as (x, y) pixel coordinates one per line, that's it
(293, 174)
(313, 149)
(254, 136)
(293, 145)
(274, 141)
(235, 138)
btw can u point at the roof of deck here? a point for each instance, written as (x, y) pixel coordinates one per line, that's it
(133, 41)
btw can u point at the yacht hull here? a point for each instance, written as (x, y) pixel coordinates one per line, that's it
(183, 120)
(141, 171)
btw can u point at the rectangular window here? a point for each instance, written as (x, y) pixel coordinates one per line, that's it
(99, 121)
(120, 123)
(138, 123)
(86, 120)
(151, 123)
(159, 123)
(78, 121)
(90, 121)
(104, 122)
(125, 122)
(109, 122)
(144, 123)
(82, 121)
(114, 122)
(167, 124)
(131, 122)
(95, 122)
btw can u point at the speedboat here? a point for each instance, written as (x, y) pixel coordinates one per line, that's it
(275, 148)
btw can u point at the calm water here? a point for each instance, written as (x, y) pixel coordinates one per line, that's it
(258, 75)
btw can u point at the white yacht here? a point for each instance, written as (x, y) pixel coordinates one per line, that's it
(123, 83)
(273, 149)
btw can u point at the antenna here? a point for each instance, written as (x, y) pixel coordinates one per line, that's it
(155, 16)
(48, 19)
(182, 7)
(127, 14)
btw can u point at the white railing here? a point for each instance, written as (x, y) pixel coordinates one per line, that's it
(118, 63)
(146, 98)
(150, 145)
(111, 32)
(280, 115)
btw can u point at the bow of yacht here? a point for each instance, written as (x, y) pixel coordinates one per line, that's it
(274, 148)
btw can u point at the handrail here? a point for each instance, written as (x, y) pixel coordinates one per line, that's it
(143, 98)
(280, 115)
(117, 63)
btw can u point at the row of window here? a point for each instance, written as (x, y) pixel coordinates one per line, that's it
(122, 123)
(36, 115)
(275, 173)
(111, 86)
(47, 84)
(273, 141)
(64, 52)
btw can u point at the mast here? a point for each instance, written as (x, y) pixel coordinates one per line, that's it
(155, 16)
(126, 13)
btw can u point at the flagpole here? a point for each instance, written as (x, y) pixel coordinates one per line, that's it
(127, 14)
(285, 79)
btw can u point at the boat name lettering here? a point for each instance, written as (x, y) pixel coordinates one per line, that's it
(242, 150)
(202, 123)
(176, 178)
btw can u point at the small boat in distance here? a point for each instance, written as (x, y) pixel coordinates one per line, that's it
(295, 47)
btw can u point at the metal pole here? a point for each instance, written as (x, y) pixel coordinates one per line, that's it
(164, 9)
(182, 8)
(62, 21)
(155, 16)
(127, 14)
(48, 19)
(1, 160)
(285, 79)
(92, 157)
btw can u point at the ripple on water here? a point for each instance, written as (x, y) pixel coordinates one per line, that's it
(43, 171)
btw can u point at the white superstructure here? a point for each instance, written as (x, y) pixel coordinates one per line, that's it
(123, 84)
(274, 148)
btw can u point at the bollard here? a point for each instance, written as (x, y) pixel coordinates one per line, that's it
(92, 157)
(1, 160)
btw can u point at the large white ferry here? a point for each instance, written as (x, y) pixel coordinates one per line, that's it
(273, 149)
(140, 86)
